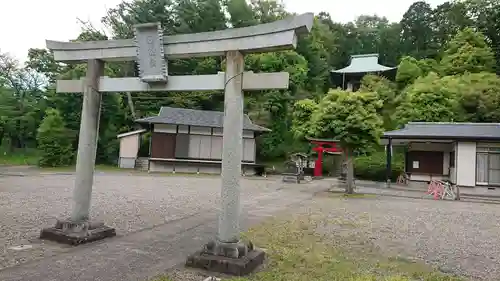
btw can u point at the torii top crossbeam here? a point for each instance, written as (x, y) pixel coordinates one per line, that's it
(274, 36)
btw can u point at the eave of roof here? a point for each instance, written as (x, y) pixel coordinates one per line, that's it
(213, 119)
(131, 133)
(363, 64)
(446, 131)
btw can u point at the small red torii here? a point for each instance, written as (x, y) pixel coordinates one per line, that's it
(323, 145)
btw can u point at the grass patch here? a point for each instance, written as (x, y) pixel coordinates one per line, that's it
(19, 158)
(358, 195)
(297, 252)
(275, 167)
(342, 194)
(163, 278)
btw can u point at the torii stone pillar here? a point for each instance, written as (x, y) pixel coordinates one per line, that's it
(226, 253)
(228, 228)
(78, 228)
(87, 142)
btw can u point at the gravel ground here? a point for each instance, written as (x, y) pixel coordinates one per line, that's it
(457, 237)
(129, 203)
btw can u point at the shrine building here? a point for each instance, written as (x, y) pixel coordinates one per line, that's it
(349, 77)
(186, 140)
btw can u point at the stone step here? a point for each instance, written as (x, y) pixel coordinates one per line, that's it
(141, 163)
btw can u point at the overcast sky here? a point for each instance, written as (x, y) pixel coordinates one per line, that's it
(26, 24)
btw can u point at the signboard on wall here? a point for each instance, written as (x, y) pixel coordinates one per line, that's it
(150, 53)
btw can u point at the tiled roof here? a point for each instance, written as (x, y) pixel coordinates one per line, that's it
(449, 130)
(193, 117)
(362, 64)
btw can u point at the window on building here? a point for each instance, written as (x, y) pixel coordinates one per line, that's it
(488, 165)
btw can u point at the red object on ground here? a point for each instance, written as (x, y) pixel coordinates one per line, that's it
(320, 147)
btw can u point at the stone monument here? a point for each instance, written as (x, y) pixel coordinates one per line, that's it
(226, 253)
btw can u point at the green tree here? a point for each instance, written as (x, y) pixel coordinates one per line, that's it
(485, 16)
(448, 19)
(417, 33)
(467, 52)
(479, 97)
(429, 99)
(428, 65)
(23, 102)
(317, 48)
(350, 117)
(408, 71)
(241, 13)
(272, 108)
(387, 93)
(53, 141)
(302, 113)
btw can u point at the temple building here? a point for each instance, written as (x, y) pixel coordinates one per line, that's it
(349, 77)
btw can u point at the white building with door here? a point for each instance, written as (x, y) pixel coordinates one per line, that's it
(466, 154)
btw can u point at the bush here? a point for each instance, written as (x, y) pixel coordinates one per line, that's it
(373, 167)
(54, 142)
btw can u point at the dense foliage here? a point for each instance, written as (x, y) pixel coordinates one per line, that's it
(53, 141)
(447, 58)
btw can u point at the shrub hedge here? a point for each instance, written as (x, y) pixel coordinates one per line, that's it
(373, 166)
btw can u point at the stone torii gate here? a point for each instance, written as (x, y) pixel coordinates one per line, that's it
(151, 50)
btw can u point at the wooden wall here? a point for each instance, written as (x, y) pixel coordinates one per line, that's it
(192, 142)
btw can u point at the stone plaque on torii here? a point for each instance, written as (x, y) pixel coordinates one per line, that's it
(151, 50)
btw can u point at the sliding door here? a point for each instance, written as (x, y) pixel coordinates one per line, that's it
(494, 169)
(482, 169)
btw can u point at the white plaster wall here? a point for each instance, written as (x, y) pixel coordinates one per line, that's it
(126, 163)
(205, 147)
(466, 164)
(183, 129)
(217, 131)
(165, 128)
(194, 146)
(195, 130)
(216, 148)
(426, 178)
(249, 149)
(247, 134)
(157, 166)
(129, 146)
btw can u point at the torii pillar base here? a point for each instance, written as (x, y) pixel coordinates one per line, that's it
(76, 233)
(229, 258)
